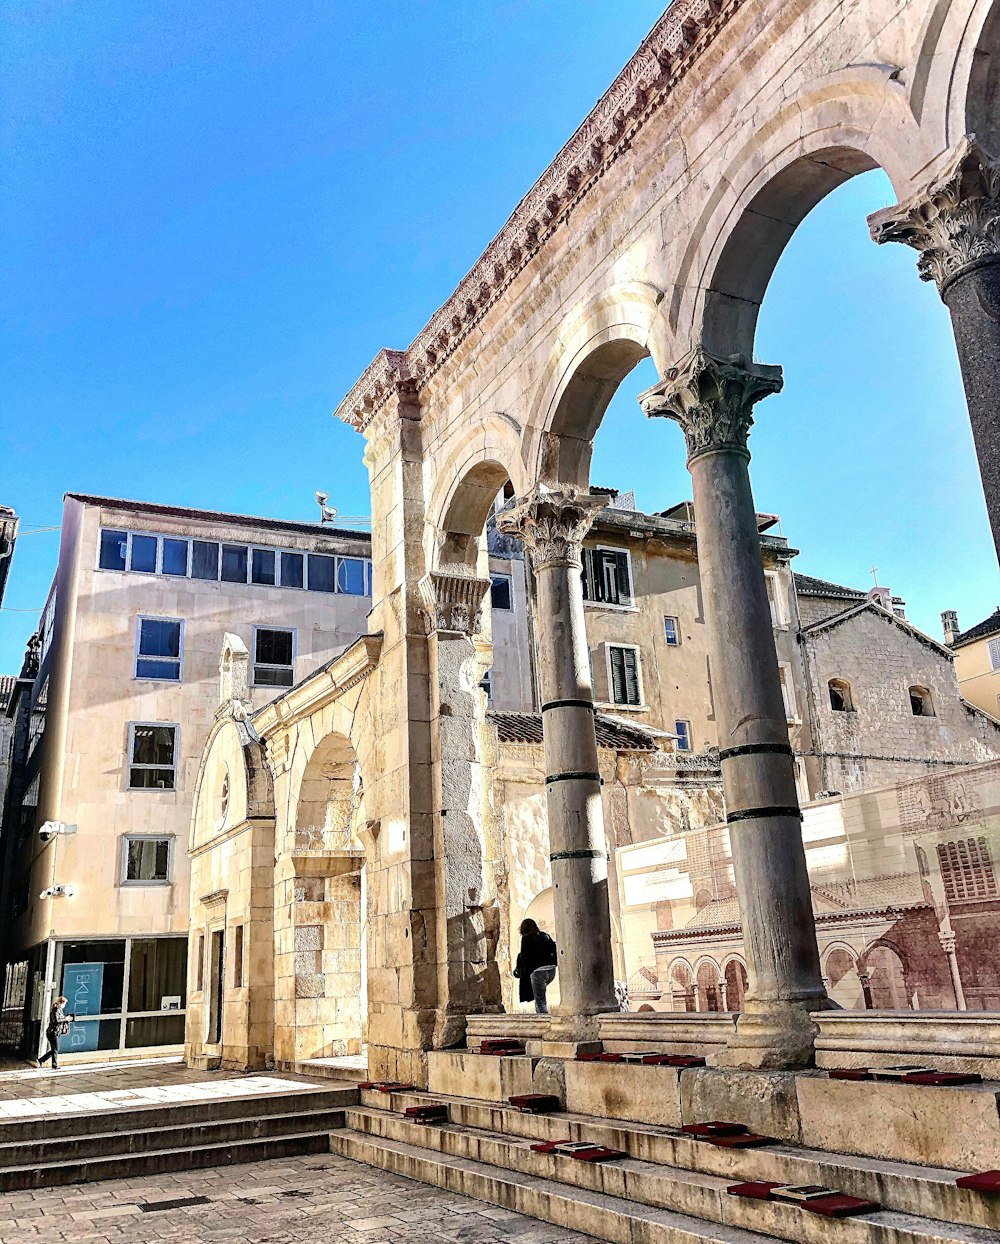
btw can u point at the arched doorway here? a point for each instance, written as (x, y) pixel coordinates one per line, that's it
(886, 986)
(843, 982)
(709, 993)
(736, 985)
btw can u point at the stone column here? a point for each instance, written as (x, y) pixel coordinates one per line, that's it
(712, 399)
(553, 525)
(468, 980)
(955, 224)
(948, 944)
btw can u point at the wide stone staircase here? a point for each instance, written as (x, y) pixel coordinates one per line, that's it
(667, 1186)
(66, 1148)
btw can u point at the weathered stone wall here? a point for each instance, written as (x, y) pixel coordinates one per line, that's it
(882, 740)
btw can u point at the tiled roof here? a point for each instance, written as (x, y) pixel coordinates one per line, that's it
(527, 728)
(988, 626)
(7, 685)
(809, 585)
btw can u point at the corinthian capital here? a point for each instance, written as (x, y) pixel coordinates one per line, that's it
(712, 398)
(454, 602)
(955, 221)
(552, 524)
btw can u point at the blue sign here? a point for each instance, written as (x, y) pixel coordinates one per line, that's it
(82, 985)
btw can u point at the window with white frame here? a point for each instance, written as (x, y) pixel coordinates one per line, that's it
(113, 550)
(624, 679)
(293, 569)
(146, 860)
(787, 691)
(158, 648)
(672, 631)
(683, 731)
(152, 756)
(142, 553)
(273, 656)
(994, 647)
(774, 599)
(501, 592)
(174, 557)
(607, 576)
(264, 567)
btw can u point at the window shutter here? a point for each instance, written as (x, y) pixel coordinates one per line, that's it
(618, 676)
(587, 574)
(623, 578)
(631, 657)
(995, 654)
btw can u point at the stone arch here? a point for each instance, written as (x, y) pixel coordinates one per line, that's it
(680, 984)
(708, 979)
(840, 969)
(882, 967)
(851, 122)
(596, 347)
(981, 104)
(734, 973)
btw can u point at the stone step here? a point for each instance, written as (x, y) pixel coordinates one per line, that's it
(127, 1118)
(924, 1191)
(166, 1135)
(697, 1194)
(157, 1162)
(596, 1214)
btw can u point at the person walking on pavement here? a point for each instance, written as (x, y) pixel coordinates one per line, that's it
(58, 1026)
(536, 965)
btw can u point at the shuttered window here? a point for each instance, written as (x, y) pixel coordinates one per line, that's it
(607, 576)
(994, 647)
(624, 664)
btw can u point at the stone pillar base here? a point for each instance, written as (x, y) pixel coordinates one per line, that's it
(574, 1029)
(772, 1036)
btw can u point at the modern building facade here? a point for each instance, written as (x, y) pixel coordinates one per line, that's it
(116, 706)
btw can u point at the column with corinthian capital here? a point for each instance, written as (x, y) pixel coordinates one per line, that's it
(955, 225)
(553, 525)
(712, 399)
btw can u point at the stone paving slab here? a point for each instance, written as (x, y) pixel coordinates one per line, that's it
(317, 1200)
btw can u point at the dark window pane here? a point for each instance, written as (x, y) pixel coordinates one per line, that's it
(274, 647)
(146, 859)
(204, 560)
(291, 569)
(500, 591)
(158, 972)
(153, 745)
(234, 563)
(321, 573)
(146, 668)
(151, 779)
(113, 545)
(166, 1029)
(159, 638)
(175, 557)
(263, 567)
(277, 676)
(143, 554)
(351, 576)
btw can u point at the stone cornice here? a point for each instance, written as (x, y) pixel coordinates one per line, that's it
(453, 602)
(326, 685)
(674, 44)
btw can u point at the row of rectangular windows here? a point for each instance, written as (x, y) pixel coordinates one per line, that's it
(178, 557)
(159, 652)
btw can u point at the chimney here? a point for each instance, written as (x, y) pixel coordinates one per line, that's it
(949, 624)
(880, 596)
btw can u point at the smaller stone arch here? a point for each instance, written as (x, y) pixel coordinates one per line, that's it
(921, 700)
(840, 694)
(737, 982)
(882, 967)
(708, 980)
(680, 985)
(840, 971)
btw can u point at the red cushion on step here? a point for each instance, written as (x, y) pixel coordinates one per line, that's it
(984, 1181)
(685, 1060)
(850, 1073)
(609, 1058)
(430, 1111)
(745, 1140)
(943, 1078)
(839, 1206)
(548, 1146)
(588, 1058)
(758, 1191)
(597, 1153)
(715, 1127)
(535, 1102)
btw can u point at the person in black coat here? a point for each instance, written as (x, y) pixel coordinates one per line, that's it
(536, 965)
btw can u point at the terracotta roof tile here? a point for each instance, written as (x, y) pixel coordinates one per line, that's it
(527, 728)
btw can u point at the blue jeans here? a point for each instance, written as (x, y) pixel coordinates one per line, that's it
(541, 978)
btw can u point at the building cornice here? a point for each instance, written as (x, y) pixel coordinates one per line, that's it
(319, 689)
(665, 56)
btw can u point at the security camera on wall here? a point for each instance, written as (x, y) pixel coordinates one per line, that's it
(57, 891)
(52, 828)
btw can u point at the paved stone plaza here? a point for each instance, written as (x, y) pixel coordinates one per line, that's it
(322, 1198)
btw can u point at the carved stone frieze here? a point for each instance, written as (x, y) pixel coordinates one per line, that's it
(672, 47)
(712, 398)
(454, 602)
(955, 221)
(552, 523)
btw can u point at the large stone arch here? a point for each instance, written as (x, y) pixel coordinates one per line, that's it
(851, 122)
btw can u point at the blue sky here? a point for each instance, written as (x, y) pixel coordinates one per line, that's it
(215, 214)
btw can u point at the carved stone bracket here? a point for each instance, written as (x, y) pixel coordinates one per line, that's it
(454, 602)
(955, 221)
(552, 524)
(712, 398)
